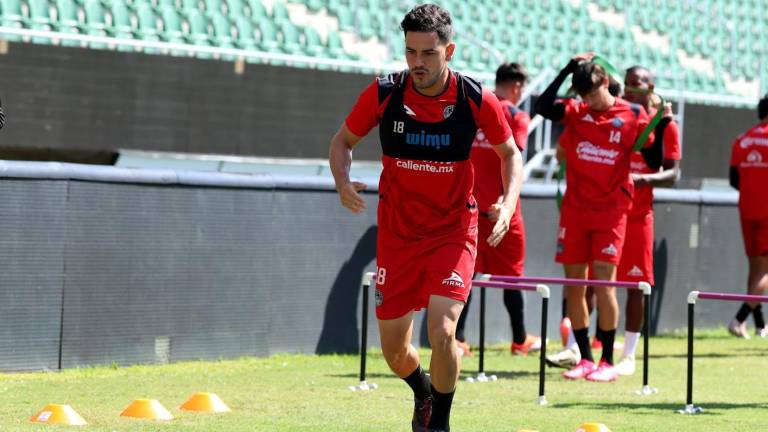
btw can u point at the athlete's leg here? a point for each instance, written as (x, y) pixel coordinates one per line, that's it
(400, 355)
(578, 311)
(608, 307)
(442, 315)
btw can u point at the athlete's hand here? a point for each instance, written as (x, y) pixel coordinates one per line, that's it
(668, 111)
(493, 211)
(503, 215)
(585, 56)
(350, 198)
(639, 180)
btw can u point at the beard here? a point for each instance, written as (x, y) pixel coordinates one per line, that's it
(426, 81)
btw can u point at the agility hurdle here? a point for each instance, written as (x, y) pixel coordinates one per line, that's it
(645, 287)
(692, 297)
(483, 282)
(366, 286)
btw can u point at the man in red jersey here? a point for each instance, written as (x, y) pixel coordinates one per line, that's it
(602, 131)
(508, 257)
(749, 175)
(428, 116)
(637, 256)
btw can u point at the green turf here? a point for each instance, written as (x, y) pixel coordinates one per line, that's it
(309, 393)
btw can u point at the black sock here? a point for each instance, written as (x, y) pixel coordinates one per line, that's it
(757, 314)
(582, 339)
(513, 300)
(419, 383)
(564, 307)
(463, 320)
(599, 334)
(743, 313)
(608, 337)
(441, 410)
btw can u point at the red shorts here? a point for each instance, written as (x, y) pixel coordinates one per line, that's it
(637, 256)
(755, 234)
(409, 272)
(585, 236)
(508, 257)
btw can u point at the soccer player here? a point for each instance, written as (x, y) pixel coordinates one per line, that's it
(508, 257)
(636, 263)
(749, 175)
(428, 116)
(602, 131)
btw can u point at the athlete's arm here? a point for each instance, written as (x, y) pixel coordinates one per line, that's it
(667, 177)
(512, 178)
(2, 116)
(546, 105)
(654, 154)
(340, 159)
(733, 177)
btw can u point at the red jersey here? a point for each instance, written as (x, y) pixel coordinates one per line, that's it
(486, 163)
(750, 156)
(425, 187)
(598, 147)
(643, 201)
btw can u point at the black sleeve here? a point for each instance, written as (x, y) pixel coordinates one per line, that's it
(654, 155)
(2, 116)
(733, 177)
(545, 105)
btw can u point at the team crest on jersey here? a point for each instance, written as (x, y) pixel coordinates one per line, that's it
(617, 122)
(635, 271)
(454, 280)
(448, 111)
(379, 297)
(754, 157)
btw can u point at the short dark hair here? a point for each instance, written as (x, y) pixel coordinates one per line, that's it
(635, 68)
(587, 77)
(428, 18)
(762, 108)
(614, 86)
(511, 72)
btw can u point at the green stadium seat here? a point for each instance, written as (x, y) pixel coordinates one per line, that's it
(257, 9)
(162, 4)
(246, 34)
(335, 46)
(313, 43)
(67, 20)
(173, 30)
(280, 13)
(198, 28)
(346, 19)
(269, 40)
(235, 9)
(121, 21)
(190, 5)
(213, 6)
(222, 30)
(290, 38)
(148, 29)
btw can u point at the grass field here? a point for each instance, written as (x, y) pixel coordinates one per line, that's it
(309, 393)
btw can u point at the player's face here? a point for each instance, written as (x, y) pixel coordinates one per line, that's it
(637, 87)
(427, 59)
(596, 99)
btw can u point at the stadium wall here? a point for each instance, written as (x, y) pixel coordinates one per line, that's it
(82, 105)
(105, 265)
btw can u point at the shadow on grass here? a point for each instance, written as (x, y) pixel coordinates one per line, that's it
(499, 374)
(709, 408)
(748, 352)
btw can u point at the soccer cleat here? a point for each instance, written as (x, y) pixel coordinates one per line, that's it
(762, 333)
(565, 330)
(531, 343)
(581, 370)
(626, 365)
(738, 329)
(605, 372)
(464, 349)
(422, 412)
(566, 358)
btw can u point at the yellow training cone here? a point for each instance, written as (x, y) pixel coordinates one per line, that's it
(593, 427)
(205, 402)
(58, 414)
(147, 409)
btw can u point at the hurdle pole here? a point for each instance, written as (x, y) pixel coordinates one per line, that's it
(645, 287)
(693, 296)
(544, 291)
(481, 360)
(366, 286)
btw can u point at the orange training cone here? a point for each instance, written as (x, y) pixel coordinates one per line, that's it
(147, 409)
(58, 414)
(205, 402)
(593, 427)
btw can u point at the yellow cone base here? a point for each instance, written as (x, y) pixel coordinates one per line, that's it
(147, 409)
(593, 427)
(206, 403)
(58, 414)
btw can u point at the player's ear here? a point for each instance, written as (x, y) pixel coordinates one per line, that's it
(449, 50)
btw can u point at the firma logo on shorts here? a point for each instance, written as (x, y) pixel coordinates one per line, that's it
(635, 271)
(610, 250)
(454, 280)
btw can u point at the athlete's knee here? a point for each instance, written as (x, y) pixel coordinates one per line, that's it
(442, 336)
(396, 357)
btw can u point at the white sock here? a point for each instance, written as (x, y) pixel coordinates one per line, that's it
(572, 345)
(630, 342)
